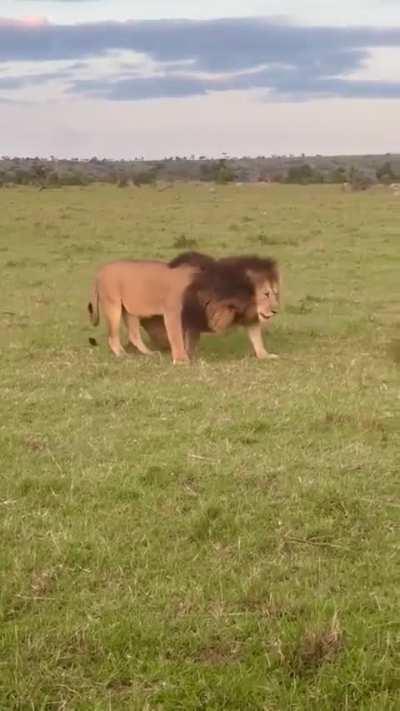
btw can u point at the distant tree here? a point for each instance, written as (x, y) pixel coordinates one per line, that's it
(263, 176)
(303, 174)
(21, 176)
(277, 178)
(207, 171)
(123, 181)
(338, 175)
(359, 181)
(385, 173)
(39, 172)
(53, 179)
(224, 173)
(145, 177)
(73, 177)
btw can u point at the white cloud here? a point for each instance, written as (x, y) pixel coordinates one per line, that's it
(382, 64)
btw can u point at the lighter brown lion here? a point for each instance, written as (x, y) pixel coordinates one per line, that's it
(141, 289)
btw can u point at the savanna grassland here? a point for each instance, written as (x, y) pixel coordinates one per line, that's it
(219, 536)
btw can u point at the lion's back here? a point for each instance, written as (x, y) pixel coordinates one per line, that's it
(144, 287)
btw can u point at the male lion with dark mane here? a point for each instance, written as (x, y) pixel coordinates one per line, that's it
(251, 285)
(177, 302)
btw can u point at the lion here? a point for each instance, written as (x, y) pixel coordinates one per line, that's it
(202, 313)
(137, 289)
(191, 295)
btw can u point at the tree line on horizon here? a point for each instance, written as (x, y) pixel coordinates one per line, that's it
(360, 172)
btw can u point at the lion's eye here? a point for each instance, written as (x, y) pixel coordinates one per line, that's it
(267, 293)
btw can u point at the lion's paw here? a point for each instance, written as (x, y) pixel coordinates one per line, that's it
(267, 356)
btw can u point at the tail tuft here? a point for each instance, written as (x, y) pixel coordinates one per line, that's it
(93, 342)
(93, 307)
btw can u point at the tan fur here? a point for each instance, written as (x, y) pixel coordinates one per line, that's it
(268, 301)
(138, 290)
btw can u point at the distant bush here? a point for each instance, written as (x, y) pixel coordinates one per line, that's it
(145, 177)
(303, 174)
(385, 174)
(224, 173)
(360, 181)
(73, 178)
(217, 171)
(277, 178)
(123, 181)
(53, 180)
(207, 172)
(337, 176)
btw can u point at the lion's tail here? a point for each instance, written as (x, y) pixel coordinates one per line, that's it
(93, 306)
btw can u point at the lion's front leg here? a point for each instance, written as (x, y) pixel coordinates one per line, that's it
(255, 335)
(173, 325)
(191, 341)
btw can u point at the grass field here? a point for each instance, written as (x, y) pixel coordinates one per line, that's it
(219, 536)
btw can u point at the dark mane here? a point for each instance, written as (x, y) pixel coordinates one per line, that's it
(252, 263)
(243, 263)
(229, 281)
(215, 284)
(195, 259)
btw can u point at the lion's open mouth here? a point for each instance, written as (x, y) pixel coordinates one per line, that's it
(264, 317)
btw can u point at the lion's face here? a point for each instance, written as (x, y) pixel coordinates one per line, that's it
(267, 300)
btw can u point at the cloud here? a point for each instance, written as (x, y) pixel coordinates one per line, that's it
(282, 59)
(287, 85)
(19, 82)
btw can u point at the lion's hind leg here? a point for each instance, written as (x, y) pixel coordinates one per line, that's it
(155, 329)
(112, 313)
(135, 337)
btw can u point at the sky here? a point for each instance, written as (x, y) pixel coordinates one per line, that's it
(154, 78)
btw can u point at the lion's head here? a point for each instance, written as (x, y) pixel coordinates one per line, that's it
(242, 290)
(267, 303)
(264, 275)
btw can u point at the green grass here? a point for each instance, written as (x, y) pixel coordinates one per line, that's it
(220, 536)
